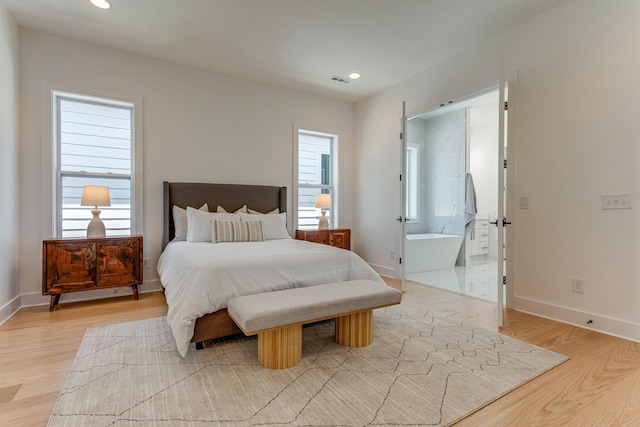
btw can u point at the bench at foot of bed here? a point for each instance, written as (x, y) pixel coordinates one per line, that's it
(277, 317)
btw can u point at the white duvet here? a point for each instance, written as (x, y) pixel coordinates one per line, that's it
(200, 278)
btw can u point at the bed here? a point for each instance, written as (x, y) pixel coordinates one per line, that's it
(200, 277)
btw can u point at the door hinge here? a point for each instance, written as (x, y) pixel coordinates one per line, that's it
(504, 280)
(399, 260)
(400, 177)
(505, 163)
(506, 105)
(400, 135)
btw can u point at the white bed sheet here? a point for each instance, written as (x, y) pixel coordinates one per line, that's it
(200, 278)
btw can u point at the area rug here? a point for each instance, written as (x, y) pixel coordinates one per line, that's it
(422, 369)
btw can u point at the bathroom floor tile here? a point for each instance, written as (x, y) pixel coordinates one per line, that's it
(476, 280)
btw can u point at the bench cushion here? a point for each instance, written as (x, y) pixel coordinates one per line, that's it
(270, 310)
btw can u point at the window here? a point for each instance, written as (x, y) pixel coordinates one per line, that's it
(317, 169)
(413, 179)
(94, 145)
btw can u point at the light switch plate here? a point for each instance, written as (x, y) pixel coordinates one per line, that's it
(616, 201)
(523, 202)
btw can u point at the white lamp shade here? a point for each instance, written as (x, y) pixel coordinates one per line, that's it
(323, 201)
(95, 195)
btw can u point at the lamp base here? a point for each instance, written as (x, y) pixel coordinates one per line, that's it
(323, 224)
(96, 226)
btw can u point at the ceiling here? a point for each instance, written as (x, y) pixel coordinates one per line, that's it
(297, 44)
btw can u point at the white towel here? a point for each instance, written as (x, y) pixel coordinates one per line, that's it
(470, 209)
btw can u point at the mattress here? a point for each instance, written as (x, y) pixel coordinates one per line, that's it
(200, 278)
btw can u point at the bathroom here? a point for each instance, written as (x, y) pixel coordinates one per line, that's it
(452, 195)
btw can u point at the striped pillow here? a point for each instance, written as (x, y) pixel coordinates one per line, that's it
(236, 231)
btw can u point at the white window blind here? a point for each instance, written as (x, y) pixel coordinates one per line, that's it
(94, 141)
(316, 157)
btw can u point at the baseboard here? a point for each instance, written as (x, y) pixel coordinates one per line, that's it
(10, 308)
(606, 325)
(384, 271)
(36, 299)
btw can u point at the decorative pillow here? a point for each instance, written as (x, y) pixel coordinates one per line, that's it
(180, 221)
(236, 231)
(220, 209)
(275, 211)
(273, 226)
(199, 224)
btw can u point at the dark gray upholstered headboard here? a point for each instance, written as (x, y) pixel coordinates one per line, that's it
(261, 198)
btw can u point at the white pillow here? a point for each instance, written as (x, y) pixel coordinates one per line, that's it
(273, 226)
(180, 221)
(236, 231)
(275, 211)
(220, 209)
(199, 224)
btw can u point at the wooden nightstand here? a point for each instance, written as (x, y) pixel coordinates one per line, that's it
(338, 237)
(72, 265)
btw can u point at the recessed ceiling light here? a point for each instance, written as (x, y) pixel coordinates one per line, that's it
(354, 75)
(102, 4)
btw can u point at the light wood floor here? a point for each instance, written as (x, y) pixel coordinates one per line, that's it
(598, 386)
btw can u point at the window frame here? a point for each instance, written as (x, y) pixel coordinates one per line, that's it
(413, 182)
(51, 201)
(60, 97)
(332, 187)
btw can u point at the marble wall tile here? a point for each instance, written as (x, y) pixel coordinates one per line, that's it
(443, 169)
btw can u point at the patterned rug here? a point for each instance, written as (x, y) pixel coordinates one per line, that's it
(422, 369)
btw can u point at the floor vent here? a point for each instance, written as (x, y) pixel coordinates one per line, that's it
(339, 79)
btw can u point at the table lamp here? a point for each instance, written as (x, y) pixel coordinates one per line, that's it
(323, 201)
(95, 195)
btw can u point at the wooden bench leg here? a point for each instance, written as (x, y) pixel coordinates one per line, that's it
(355, 329)
(280, 348)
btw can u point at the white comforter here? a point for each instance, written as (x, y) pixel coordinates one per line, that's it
(200, 278)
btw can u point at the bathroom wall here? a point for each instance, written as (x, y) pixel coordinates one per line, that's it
(483, 164)
(416, 134)
(442, 172)
(443, 148)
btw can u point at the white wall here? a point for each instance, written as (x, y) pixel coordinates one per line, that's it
(573, 136)
(483, 165)
(9, 237)
(198, 126)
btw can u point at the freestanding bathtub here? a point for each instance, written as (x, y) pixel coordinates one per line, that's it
(425, 252)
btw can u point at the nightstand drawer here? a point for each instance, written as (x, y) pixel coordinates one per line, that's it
(339, 237)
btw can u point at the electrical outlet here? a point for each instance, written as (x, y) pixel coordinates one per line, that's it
(145, 263)
(577, 285)
(616, 201)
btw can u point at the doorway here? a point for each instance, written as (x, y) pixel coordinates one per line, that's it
(452, 197)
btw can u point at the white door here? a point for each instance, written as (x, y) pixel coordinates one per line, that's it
(403, 191)
(502, 183)
(497, 274)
